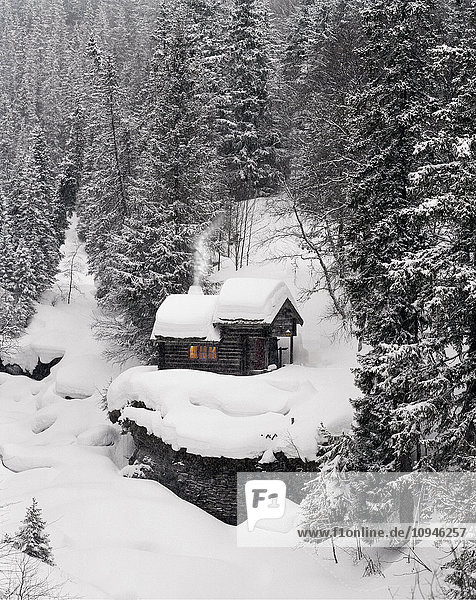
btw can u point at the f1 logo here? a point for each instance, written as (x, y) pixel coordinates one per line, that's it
(265, 499)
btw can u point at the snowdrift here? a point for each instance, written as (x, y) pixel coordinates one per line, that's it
(230, 416)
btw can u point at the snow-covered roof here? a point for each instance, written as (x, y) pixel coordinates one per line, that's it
(241, 299)
(249, 299)
(186, 316)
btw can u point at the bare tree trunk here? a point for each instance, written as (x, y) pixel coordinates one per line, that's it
(116, 153)
(250, 231)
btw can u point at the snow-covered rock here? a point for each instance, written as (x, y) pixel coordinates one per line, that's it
(226, 415)
(80, 376)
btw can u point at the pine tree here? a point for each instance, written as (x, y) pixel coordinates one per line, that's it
(462, 584)
(32, 538)
(33, 216)
(104, 199)
(72, 165)
(391, 111)
(444, 268)
(174, 197)
(18, 287)
(250, 140)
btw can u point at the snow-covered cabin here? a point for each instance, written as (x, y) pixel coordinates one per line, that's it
(237, 331)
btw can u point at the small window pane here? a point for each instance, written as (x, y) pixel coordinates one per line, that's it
(212, 353)
(193, 352)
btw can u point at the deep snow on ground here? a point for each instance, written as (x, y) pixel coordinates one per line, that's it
(232, 416)
(121, 538)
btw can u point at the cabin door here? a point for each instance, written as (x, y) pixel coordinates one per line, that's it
(258, 354)
(273, 354)
(161, 355)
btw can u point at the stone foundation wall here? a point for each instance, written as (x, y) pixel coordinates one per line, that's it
(207, 482)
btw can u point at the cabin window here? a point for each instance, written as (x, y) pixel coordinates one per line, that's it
(203, 353)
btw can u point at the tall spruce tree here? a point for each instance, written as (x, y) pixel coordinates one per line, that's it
(391, 110)
(250, 140)
(443, 269)
(175, 192)
(104, 197)
(33, 226)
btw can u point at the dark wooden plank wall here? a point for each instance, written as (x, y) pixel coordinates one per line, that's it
(285, 319)
(233, 352)
(176, 356)
(237, 351)
(230, 353)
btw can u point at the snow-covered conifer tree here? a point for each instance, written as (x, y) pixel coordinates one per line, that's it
(443, 269)
(34, 217)
(31, 538)
(250, 140)
(104, 198)
(391, 112)
(461, 580)
(175, 195)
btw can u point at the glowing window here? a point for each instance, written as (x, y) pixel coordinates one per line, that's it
(193, 352)
(203, 352)
(212, 352)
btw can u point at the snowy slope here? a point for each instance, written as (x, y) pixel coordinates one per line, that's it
(62, 329)
(122, 538)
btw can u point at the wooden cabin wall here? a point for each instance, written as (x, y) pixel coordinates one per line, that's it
(285, 320)
(176, 356)
(230, 354)
(235, 348)
(233, 351)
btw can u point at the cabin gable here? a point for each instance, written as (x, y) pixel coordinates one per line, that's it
(286, 321)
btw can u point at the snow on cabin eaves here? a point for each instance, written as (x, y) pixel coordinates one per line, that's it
(186, 316)
(251, 300)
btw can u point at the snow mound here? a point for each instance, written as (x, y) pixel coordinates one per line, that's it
(18, 387)
(251, 299)
(48, 395)
(81, 376)
(43, 420)
(101, 435)
(226, 415)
